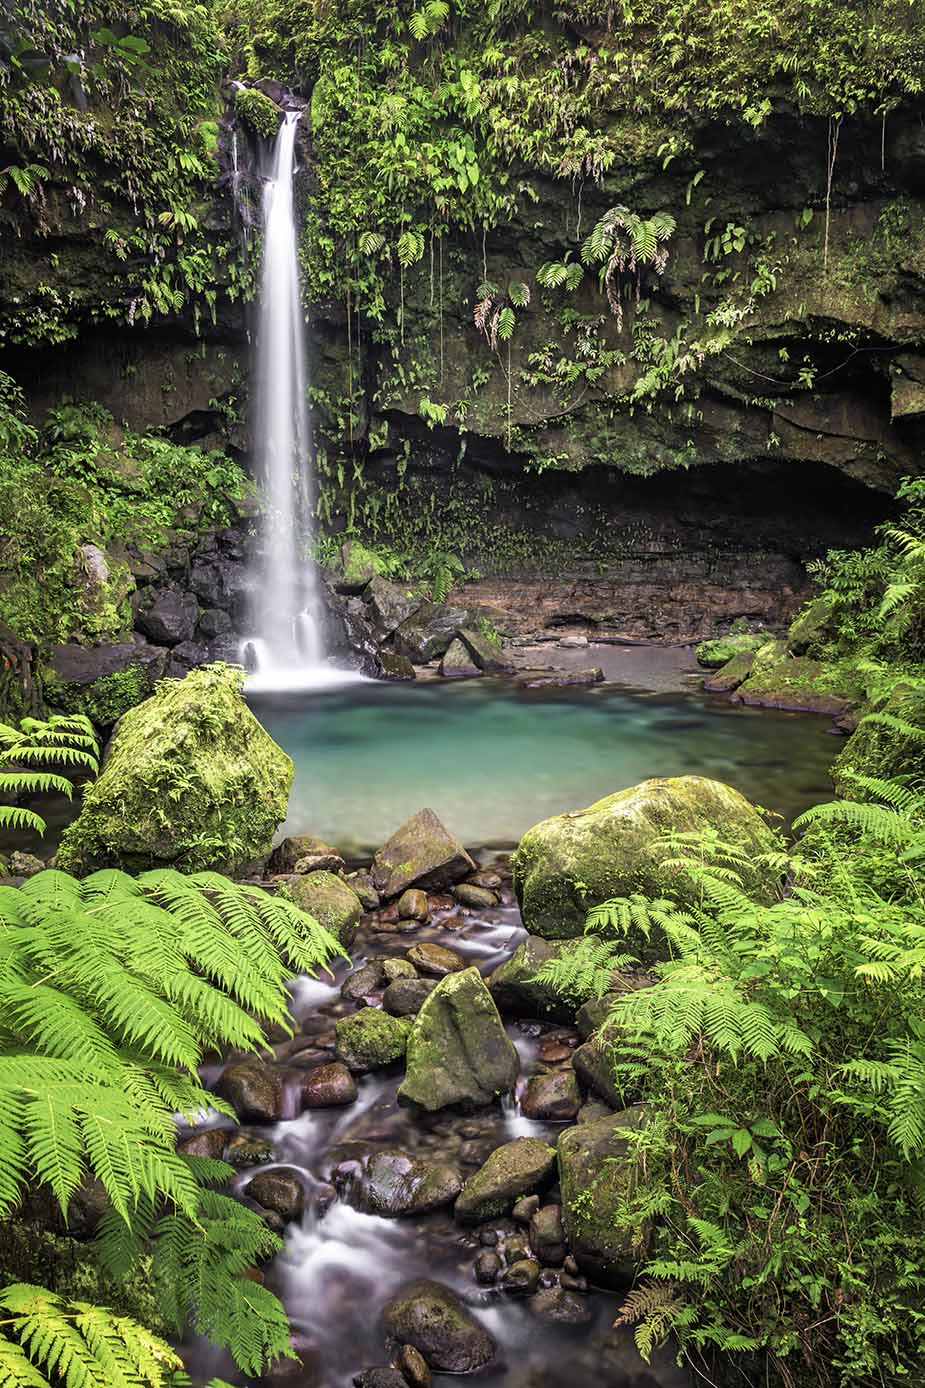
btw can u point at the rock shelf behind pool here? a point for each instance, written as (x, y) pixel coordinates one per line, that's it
(422, 853)
(458, 1050)
(435, 1322)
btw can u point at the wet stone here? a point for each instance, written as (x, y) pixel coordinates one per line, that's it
(491, 881)
(432, 1319)
(207, 1144)
(362, 884)
(487, 1268)
(561, 1307)
(525, 1208)
(522, 1276)
(363, 983)
(435, 961)
(279, 1190)
(393, 969)
(254, 1090)
(547, 1236)
(386, 1377)
(476, 898)
(406, 996)
(244, 1150)
(555, 1097)
(413, 905)
(328, 1086)
(413, 1366)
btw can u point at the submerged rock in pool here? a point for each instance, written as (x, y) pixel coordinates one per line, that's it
(432, 1319)
(518, 1168)
(422, 853)
(458, 1050)
(568, 863)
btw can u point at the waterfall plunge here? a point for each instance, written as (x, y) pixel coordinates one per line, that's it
(285, 651)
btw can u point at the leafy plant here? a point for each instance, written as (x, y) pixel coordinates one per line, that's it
(25, 752)
(622, 243)
(111, 991)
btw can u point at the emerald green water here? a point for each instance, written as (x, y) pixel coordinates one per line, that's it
(491, 761)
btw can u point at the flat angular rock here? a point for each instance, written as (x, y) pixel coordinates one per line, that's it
(435, 961)
(422, 853)
(396, 667)
(458, 663)
(518, 1168)
(487, 655)
(388, 604)
(429, 632)
(458, 1051)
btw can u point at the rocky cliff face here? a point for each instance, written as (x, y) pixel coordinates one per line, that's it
(660, 470)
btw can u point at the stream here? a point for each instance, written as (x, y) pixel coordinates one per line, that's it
(491, 762)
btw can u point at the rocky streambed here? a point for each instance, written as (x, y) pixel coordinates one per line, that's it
(423, 1138)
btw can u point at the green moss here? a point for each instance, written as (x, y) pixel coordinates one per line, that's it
(713, 654)
(328, 898)
(104, 701)
(258, 112)
(190, 780)
(569, 863)
(371, 1039)
(876, 750)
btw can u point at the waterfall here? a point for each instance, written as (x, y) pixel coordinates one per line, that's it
(285, 648)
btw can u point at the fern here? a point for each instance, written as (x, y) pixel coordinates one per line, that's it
(112, 989)
(585, 970)
(68, 740)
(622, 242)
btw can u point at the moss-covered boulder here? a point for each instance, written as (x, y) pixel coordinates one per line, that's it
(813, 627)
(729, 676)
(328, 898)
(191, 780)
(719, 651)
(778, 679)
(518, 1168)
(567, 864)
(597, 1174)
(458, 1050)
(371, 1039)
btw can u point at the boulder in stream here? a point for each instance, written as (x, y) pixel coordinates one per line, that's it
(435, 961)
(597, 1171)
(553, 1097)
(433, 1319)
(389, 1182)
(458, 1050)
(191, 780)
(330, 900)
(371, 1039)
(254, 1090)
(279, 1190)
(518, 1168)
(422, 853)
(406, 996)
(328, 1086)
(571, 862)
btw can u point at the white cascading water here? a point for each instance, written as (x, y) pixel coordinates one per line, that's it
(285, 649)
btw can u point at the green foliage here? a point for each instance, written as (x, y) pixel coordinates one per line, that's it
(105, 114)
(26, 752)
(781, 1056)
(262, 115)
(112, 990)
(82, 481)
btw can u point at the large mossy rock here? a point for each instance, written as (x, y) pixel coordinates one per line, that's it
(191, 780)
(778, 679)
(458, 1050)
(328, 898)
(597, 1173)
(422, 853)
(371, 1039)
(518, 1168)
(721, 649)
(567, 864)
